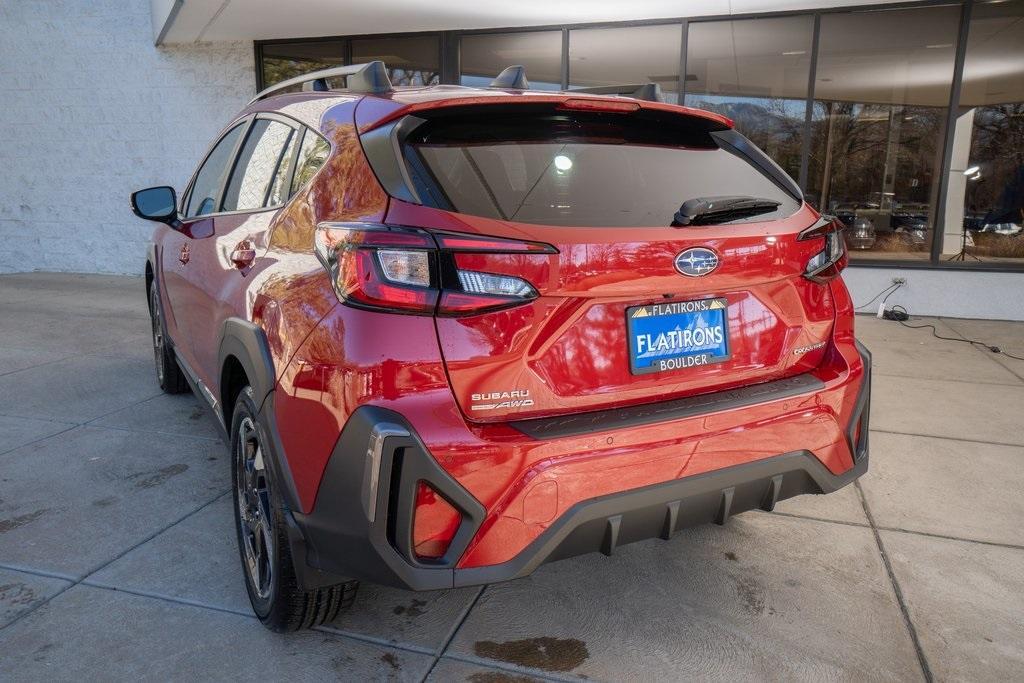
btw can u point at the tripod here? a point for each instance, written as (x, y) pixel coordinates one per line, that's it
(963, 255)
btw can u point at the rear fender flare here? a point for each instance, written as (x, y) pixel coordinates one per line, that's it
(245, 341)
(248, 343)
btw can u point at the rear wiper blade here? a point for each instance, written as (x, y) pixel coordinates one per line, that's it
(709, 210)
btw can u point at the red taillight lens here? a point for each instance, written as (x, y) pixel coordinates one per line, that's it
(411, 271)
(434, 524)
(379, 266)
(495, 245)
(830, 261)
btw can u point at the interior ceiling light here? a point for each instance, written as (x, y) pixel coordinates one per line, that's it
(972, 170)
(794, 52)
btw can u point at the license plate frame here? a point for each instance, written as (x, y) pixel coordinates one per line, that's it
(657, 319)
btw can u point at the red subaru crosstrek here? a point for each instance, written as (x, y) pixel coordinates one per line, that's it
(453, 333)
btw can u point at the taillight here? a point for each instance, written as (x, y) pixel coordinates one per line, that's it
(830, 261)
(435, 522)
(379, 266)
(408, 270)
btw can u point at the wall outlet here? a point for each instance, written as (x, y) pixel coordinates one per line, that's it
(899, 280)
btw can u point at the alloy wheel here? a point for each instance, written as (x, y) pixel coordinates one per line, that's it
(158, 336)
(254, 514)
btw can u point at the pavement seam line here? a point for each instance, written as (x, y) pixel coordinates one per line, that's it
(453, 632)
(87, 423)
(372, 640)
(949, 438)
(901, 602)
(38, 365)
(882, 373)
(369, 640)
(109, 562)
(992, 356)
(899, 530)
(42, 438)
(511, 668)
(71, 426)
(38, 572)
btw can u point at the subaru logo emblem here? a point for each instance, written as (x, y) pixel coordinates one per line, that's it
(696, 262)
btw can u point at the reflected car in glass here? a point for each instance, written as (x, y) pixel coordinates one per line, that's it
(453, 333)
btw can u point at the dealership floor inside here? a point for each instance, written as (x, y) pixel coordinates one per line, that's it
(118, 558)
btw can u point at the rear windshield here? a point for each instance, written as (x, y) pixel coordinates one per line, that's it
(579, 169)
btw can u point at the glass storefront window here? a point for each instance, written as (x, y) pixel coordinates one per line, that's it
(484, 56)
(411, 60)
(881, 94)
(985, 199)
(755, 72)
(626, 56)
(281, 61)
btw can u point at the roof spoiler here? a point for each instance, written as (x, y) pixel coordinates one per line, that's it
(371, 77)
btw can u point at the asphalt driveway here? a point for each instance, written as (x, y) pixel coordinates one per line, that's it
(118, 559)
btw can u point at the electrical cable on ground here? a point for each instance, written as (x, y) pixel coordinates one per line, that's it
(901, 315)
(894, 286)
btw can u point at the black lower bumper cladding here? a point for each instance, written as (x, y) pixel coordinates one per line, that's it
(346, 535)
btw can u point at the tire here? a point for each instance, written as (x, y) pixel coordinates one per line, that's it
(168, 375)
(262, 538)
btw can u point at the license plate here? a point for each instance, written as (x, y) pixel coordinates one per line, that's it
(677, 335)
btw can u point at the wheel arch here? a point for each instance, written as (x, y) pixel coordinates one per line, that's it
(150, 273)
(244, 356)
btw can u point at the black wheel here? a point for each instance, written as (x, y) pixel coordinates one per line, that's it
(262, 542)
(168, 374)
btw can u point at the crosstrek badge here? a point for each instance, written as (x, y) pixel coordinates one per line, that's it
(677, 335)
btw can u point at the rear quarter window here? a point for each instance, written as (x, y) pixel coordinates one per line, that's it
(580, 170)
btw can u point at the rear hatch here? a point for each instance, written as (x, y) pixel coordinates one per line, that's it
(629, 306)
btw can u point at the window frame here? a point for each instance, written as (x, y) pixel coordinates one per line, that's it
(450, 72)
(266, 116)
(248, 121)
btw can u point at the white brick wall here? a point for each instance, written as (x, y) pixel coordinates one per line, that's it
(90, 110)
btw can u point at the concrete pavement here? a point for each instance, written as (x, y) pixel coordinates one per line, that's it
(118, 558)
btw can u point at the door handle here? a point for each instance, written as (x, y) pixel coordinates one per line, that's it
(243, 255)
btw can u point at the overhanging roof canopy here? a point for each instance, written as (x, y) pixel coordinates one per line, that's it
(178, 21)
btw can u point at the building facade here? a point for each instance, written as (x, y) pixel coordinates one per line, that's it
(904, 120)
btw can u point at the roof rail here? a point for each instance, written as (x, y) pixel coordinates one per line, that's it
(640, 91)
(371, 77)
(512, 78)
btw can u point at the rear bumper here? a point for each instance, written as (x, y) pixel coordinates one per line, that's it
(361, 525)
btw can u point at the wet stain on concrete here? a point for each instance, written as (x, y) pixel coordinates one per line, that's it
(414, 609)
(549, 654)
(16, 594)
(751, 594)
(730, 555)
(40, 653)
(498, 677)
(105, 502)
(160, 476)
(21, 520)
(390, 660)
(196, 414)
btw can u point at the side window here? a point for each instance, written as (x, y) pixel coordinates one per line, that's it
(203, 198)
(312, 156)
(279, 188)
(259, 164)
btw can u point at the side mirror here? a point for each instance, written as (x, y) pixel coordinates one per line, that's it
(156, 204)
